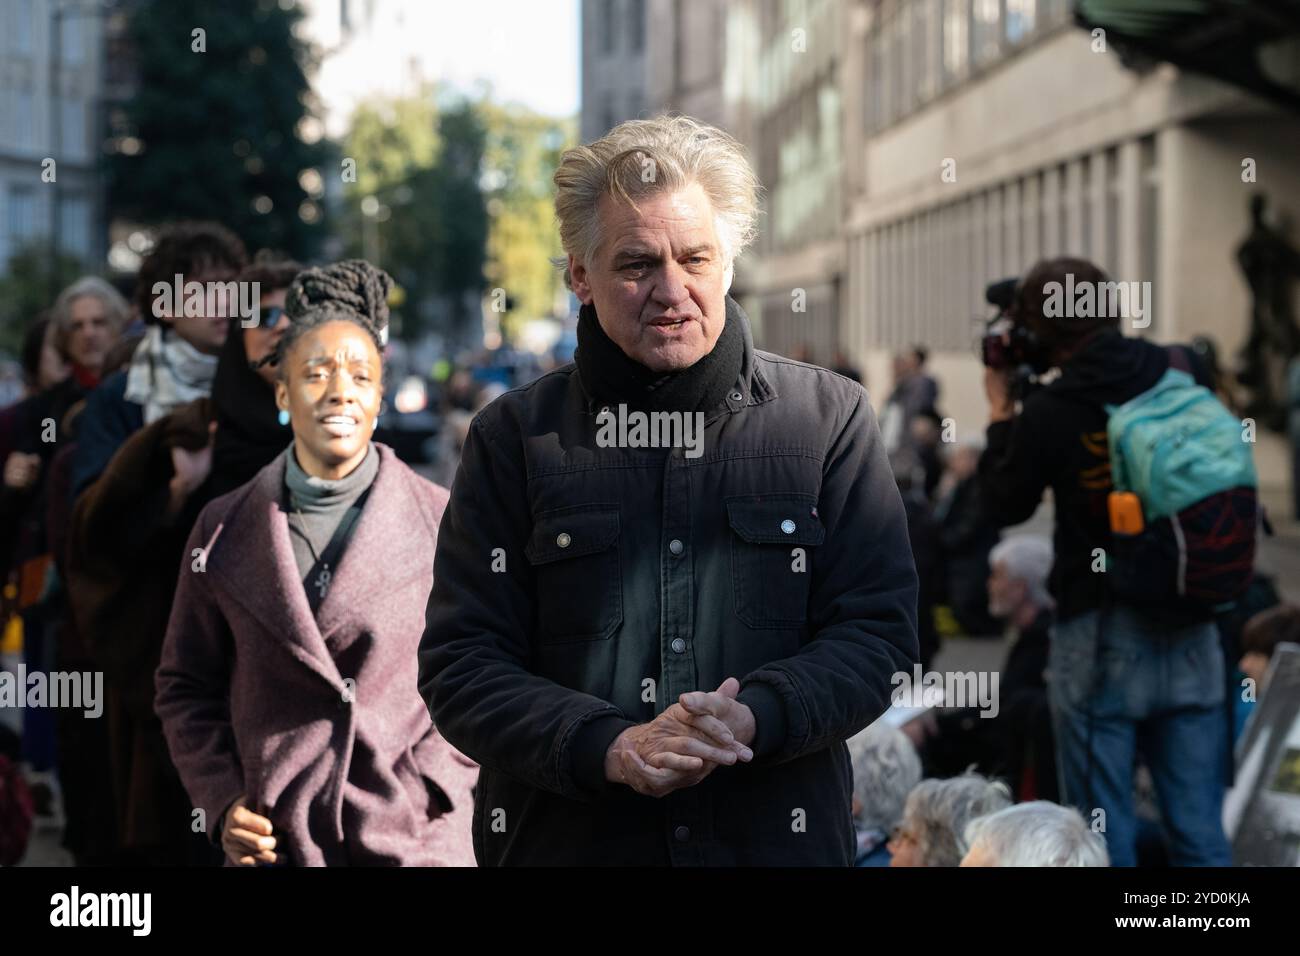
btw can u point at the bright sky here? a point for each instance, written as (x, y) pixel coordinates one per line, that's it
(528, 49)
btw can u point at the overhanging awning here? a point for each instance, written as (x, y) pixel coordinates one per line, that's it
(1253, 44)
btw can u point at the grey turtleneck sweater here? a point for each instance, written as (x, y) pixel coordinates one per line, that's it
(317, 508)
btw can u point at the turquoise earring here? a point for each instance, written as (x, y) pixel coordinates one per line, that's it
(284, 417)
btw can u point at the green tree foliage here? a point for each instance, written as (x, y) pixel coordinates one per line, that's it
(219, 130)
(463, 204)
(429, 226)
(523, 149)
(25, 289)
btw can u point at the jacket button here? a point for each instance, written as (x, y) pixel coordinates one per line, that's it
(678, 645)
(563, 539)
(675, 546)
(787, 526)
(682, 834)
(736, 396)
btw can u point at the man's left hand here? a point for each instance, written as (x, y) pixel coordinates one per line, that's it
(722, 705)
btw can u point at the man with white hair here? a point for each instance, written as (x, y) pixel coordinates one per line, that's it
(1037, 833)
(673, 577)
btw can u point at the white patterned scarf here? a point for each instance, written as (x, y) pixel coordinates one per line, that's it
(167, 372)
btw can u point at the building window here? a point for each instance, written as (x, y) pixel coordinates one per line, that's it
(1062, 237)
(636, 24)
(74, 225)
(886, 51)
(21, 131)
(22, 225)
(956, 38)
(875, 98)
(985, 28)
(905, 87)
(21, 25)
(608, 14)
(1149, 212)
(926, 49)
(72, 128)
(71, 49)
(1020, 19)
(1114, 188)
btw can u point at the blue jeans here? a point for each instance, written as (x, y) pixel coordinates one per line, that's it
(1153, 690)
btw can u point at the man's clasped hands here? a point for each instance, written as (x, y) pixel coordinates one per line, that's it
(683, 745)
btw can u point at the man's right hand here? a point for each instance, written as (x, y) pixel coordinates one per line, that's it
(246, 836)
(668, 754)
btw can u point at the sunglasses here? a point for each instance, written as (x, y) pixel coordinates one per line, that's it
(271, 318)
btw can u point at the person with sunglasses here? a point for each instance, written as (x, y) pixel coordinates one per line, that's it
(251, 430)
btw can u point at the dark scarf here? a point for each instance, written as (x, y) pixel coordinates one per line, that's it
(249, 433)
(610, 376)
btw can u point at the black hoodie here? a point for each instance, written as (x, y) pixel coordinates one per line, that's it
(1058, 441)
(249, 433)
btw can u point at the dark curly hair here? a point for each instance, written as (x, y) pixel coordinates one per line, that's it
(188, 248)
(270, 270)
(349, 291)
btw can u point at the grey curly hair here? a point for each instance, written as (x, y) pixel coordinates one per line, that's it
(885, 769)
(641, 158)
(938, 812)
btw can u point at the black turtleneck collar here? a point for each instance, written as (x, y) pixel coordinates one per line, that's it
(609, 375)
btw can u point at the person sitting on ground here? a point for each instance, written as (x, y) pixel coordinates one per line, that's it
(1038, 833)
(885, 769)
(1261, 636)
(936, 815)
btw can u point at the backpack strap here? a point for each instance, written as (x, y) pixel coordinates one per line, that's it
(1179, 359)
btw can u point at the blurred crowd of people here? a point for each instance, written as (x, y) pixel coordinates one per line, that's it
(135, 418)
(135, 415)
(923, 776)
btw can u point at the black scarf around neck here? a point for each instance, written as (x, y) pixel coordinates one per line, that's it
(249, 433)
(609, 375)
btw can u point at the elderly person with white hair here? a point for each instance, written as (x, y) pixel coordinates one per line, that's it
(89, 317)
(1018, 596)
(936, 815)
(1038, 833)
(885, 769)
(674, 576)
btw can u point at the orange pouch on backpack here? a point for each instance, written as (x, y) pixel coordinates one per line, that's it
(1125, 513)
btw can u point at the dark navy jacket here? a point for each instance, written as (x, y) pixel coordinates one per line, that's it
(103, 427)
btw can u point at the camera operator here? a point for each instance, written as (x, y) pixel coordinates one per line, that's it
(1123, 680)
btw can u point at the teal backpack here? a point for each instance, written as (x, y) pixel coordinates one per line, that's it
(1183, 454)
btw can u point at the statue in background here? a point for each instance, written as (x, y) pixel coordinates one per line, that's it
(1269, 263)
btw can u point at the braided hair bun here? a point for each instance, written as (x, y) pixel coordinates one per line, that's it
(351, 291)
(352, 285)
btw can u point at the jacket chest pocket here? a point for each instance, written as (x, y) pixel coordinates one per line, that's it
(574, 552)
(772, 543)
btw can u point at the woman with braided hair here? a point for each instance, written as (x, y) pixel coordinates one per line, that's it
(287, 689)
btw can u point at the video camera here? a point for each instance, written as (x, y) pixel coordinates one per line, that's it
(1008, 343)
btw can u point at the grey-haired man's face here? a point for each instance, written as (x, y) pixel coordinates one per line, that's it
(659, 280)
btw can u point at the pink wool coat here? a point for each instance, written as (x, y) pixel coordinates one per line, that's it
(317, 720)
